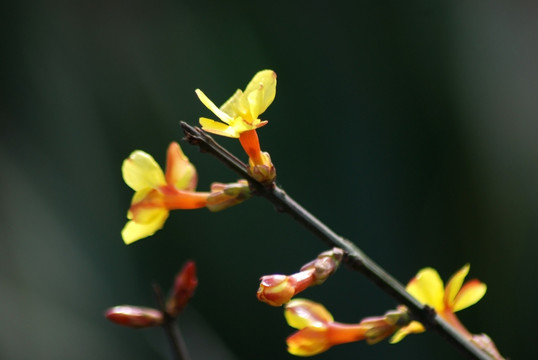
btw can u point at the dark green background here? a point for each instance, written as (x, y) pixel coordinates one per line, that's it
(409, 127)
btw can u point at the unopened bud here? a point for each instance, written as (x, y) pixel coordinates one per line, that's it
(184, 286)
(275, 290)
(134, 316)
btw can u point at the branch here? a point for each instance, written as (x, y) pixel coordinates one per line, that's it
(354, 258)
(179, 349)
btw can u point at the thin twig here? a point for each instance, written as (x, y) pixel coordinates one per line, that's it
(354, 259)
(179, 348)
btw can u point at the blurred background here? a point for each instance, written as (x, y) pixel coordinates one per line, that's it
(408, 127)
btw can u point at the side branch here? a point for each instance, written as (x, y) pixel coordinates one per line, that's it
(173, 334)
(354, 257)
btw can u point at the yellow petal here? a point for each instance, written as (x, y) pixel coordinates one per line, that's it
(413, 328)
(454, 285)
(148, 214)
(241, 125)
(427, 287)
(301, 313)
(255, 101)
(218, 128)
(211, 106)
(236, 105)
(141, 171)
(469, 294)
(134, 231)
(266, 81)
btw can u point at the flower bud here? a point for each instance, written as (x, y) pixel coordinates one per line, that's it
(134, 316)
(276, 290)
(184, 286)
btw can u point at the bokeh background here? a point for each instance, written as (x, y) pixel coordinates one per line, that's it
(409, 127)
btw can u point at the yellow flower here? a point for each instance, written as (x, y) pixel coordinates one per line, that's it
(157, 193)
(240, 113)
(427, 287)
(317, 329)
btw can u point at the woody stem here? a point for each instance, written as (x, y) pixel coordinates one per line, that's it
(179, 349)
(354, 258)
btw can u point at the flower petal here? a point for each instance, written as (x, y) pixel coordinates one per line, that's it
(236, 105)
(255, 101)
(133, 231)
(413, 328)
(470, 294)
(264, 81)
(308, 341)
(179, 171)
(211, 106)
(218, 128)
(141, 171)
(301, 313)
(454, 285)
(427, 287)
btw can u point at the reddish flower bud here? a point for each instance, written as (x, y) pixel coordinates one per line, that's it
(134, 316)
(184, 286)
(277, 289)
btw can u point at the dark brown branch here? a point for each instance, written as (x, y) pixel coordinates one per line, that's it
(179, 349)
(354, 258)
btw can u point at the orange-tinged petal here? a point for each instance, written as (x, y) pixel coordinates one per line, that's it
(179, 171)
(146, 216)
(427, 287)
(301, 313)
(134, 231)
(141, 171)
(414, 327)
(145, 205)
(469, 294)
(211, 106)
(308, 341)
(453, 285)
(218, 128)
